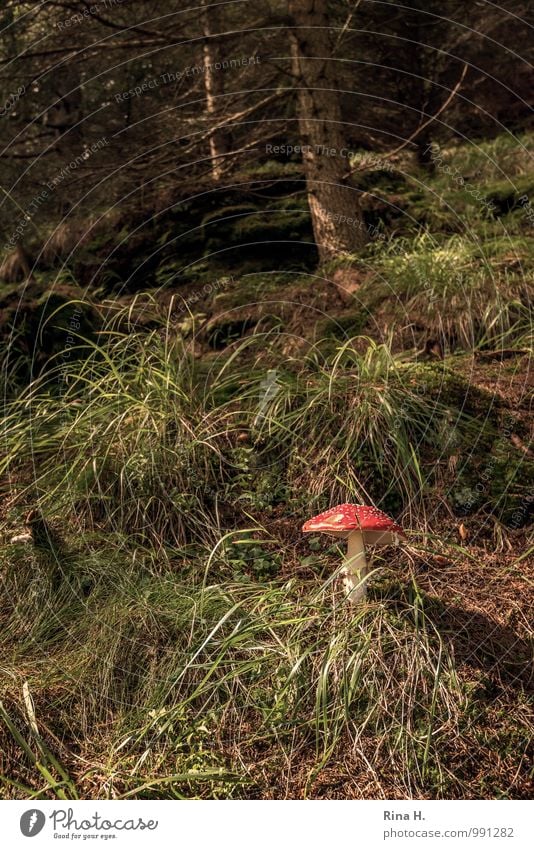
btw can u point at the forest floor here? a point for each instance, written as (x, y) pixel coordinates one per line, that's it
(166, 629)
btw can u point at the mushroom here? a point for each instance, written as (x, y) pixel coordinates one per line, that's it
(359, 525)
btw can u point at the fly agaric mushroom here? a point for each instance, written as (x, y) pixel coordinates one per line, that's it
(359, 525)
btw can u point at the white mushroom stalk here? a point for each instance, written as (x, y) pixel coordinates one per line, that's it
(355, 568)
(360, 525)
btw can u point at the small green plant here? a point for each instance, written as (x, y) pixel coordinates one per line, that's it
(248, 559)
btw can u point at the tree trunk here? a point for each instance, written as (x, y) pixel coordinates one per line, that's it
(334, 204)
(214, 87)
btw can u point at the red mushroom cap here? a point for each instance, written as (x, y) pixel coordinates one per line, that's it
(344, 518)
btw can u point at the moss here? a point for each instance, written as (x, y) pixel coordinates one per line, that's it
(437, 216)
(382, 179)
(510, 488)
(249, 289)
(225, 214)
(502, 247)
(273, 224)
(345, 326)
(453, 390)
(505, 195)
(223, 333)
(251, 239)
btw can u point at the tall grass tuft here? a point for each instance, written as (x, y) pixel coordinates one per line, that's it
(169, 663)
(467, 294)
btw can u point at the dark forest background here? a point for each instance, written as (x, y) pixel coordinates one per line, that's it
(258, 259)
(162, 120)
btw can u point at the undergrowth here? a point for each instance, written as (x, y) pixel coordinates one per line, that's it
(165, 631)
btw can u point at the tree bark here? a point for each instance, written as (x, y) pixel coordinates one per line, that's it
(334, 203)
(214, 87)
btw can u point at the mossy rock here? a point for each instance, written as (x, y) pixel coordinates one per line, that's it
(506, 196)
(225, 216)
(249, 289)
(382, 180)
(263, 240)
(230, 224)
(234, 325)
(455, 391)
(274, 224)
(511, 487)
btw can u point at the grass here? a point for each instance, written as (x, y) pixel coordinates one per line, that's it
(195, 675)
(174, 639)
(169, 633)
(493, 159)
(467, 294)
(140, 439)
(156, 686)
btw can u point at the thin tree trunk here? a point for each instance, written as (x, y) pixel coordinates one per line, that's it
(334, 204)
(214, 87)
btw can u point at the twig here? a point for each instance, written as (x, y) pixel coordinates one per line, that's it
(420, 128)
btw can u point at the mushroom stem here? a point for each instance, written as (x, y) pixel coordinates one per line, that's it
(355, 568)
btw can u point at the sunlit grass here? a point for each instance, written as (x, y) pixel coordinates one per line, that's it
(165, 641)
(192, 681)
(468, 294)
